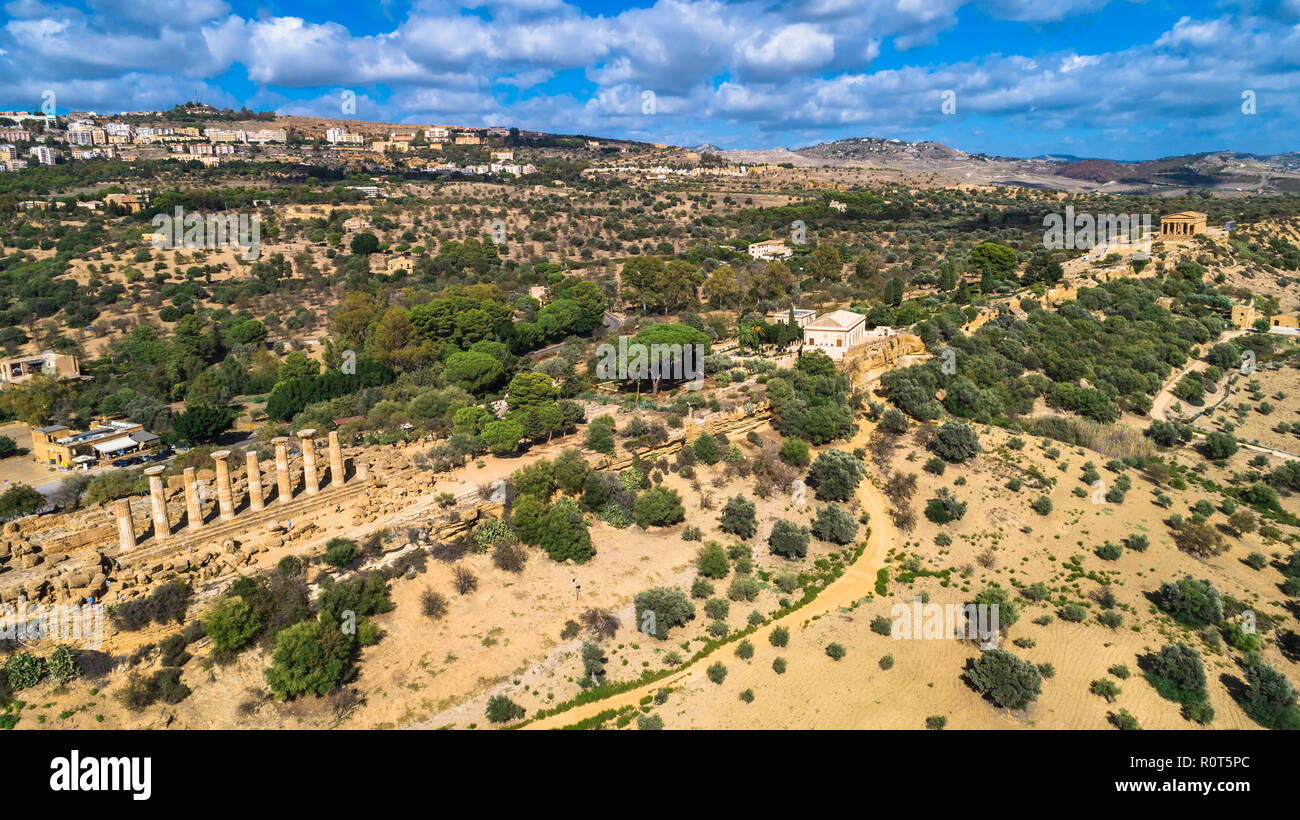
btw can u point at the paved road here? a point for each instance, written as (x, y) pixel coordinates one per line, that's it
(612, 323)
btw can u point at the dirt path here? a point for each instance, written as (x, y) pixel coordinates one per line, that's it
(1165, 398)
(857, 582)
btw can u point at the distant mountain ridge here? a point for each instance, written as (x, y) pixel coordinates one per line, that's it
(1228, 170)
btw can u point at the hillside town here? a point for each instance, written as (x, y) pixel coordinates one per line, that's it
(28, 139)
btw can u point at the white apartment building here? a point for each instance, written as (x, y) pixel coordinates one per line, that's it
(44, 154)
(340, 136)
(263, 136)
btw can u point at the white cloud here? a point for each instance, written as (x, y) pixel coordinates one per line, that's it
(751, 66)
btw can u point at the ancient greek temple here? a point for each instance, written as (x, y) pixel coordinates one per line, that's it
(162, 526)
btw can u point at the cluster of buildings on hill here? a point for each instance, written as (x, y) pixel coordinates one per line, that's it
(48, 139)
(1245, 316)
(60, 446)
(662, 172)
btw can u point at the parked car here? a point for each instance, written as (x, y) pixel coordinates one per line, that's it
(122, 462)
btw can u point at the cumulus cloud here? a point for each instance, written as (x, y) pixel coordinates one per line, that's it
(753, 69)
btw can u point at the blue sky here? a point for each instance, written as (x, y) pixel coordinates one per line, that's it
(1109, 78)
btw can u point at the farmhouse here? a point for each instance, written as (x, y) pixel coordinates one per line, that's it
(1244, 316)
(771, 249)
(1284, 323)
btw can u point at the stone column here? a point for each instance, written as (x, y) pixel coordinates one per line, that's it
(363, 468)
(336, 460)
(193, 510)
(310, 483)
(161, 527)
(125, 529)
(282, 483)
(285, 487)
(254, 482)
(225, 498)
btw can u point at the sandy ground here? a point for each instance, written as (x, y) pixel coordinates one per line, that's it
(925, 680)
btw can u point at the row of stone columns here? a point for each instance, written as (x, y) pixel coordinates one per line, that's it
(225, 494)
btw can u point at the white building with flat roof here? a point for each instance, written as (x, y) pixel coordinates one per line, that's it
(802, 316)
(836, 332)
(771, 249)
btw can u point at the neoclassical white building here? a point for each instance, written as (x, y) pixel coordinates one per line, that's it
(836, 332)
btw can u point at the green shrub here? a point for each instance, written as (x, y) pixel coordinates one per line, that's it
(739, 517)
(1109, 551)
(649, 723)
(717, 608)
(1123, 720)
(232, 624)
(1008, 681)
(1270, 699)
(501, 709)
(713, 562)
(744, 588)
(717, 672)
(62, 664)
(310, 657)
(835, 525)
(1177, 674)
(661, 608)
(24, 670)
(1106, 688)
(167, 685)
(1074, 613)
(882, 625)
(341, 552)
(788, 539)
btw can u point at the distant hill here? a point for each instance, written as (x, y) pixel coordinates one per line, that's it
(1222, 170)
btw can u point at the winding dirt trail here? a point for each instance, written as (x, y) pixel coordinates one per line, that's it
(858, 581)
